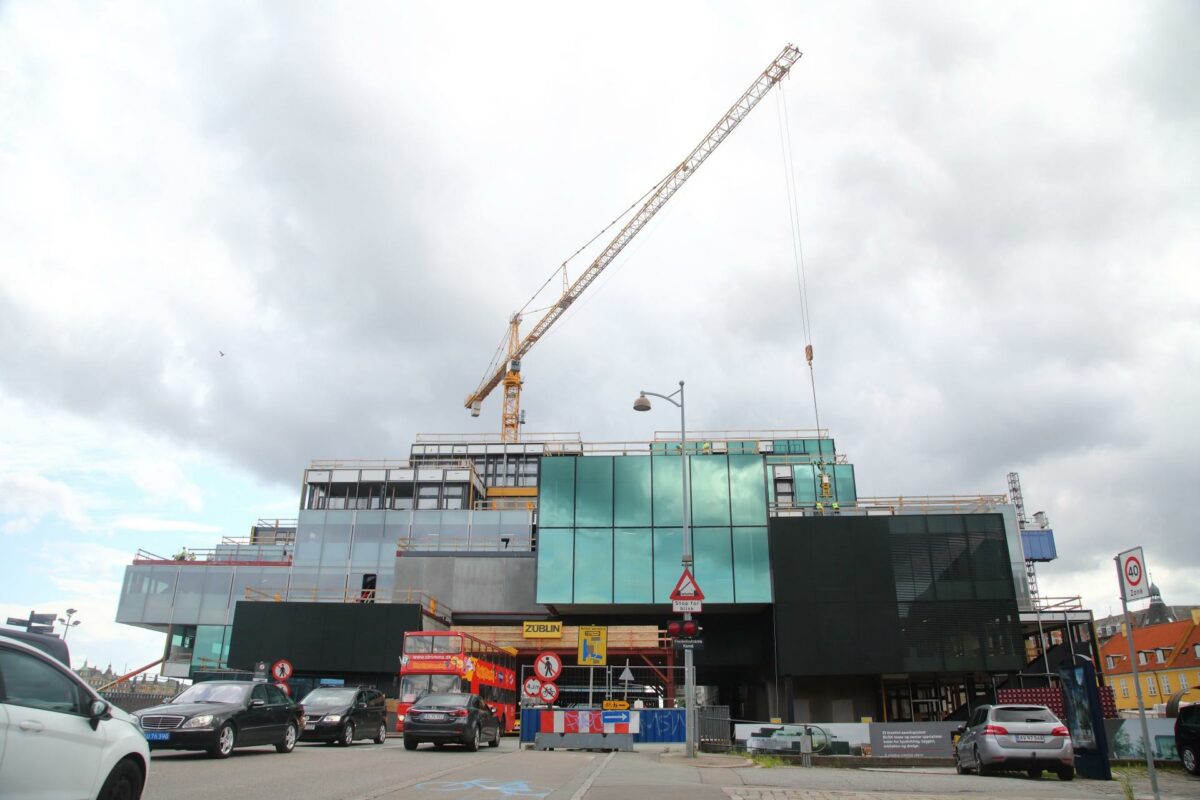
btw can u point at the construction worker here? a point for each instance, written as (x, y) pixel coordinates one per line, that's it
(820, 508)
(836, 509)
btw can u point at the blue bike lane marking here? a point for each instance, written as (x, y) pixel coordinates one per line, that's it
(504, 788)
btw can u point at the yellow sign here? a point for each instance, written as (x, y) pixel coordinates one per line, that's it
(616, 705)
(593, 646)
(541, 630)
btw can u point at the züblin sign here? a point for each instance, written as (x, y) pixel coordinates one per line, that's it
(541, 630)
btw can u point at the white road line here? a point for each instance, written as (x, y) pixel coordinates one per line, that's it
(582, 790)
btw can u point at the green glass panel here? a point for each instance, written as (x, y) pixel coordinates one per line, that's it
(633, 564)
(594, 492)
(751, 565)
(710, 490)
(631, 488)
(804, 477)
(747, 490)
(826, 446)
(844, 488)
(593, 565)
(668, 490)
(556, 550)
(668, 562)
(714, 563)
(556, 492)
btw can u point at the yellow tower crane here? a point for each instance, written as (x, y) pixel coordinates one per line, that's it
(509, 373)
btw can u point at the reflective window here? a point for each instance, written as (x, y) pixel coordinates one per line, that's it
(368, 535)
(751, 565)
(844, 488)
(804, 479)
(668, 562)
(308, 537)
(556, 496)
(593, 565)
(710, 490)
(335, 538)
(555, 568)
(187, 596)
(668, 490)
(594, 492)
(747, 490)
(631, 489)
(633, 567)
(714, 563)
(211, 649)
(214, 597)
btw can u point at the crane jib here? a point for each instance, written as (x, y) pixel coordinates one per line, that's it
(774, 73)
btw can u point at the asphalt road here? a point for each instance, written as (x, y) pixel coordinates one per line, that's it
(367, 771)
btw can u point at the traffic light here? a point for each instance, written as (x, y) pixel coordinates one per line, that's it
(683, 629)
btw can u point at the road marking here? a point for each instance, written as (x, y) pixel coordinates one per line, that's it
(425, 778)
(582, 790)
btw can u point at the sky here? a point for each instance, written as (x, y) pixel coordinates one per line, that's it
(996, 204)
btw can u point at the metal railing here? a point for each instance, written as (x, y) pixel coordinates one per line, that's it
(506, 504)
(474, 544)
(655, 687)
(1052, 605)
(495, 438)
(231, 555)
(887, 506)
(302, 594)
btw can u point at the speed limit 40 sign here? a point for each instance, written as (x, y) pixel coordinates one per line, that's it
(1135, 583)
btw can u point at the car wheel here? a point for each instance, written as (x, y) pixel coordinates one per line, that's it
(1188, 755)
(347, 737)
(1035, 773)
(980, 769)
(472, 743)
(123, 783)
(410, 744)
(495, 742)
(958, 765)
(381, 735)
(289, 740)
(226, 737)
(1066, 773)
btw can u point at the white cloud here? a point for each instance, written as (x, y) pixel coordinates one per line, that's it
(28, 498)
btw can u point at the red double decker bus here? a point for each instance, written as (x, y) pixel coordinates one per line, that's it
(439, 662)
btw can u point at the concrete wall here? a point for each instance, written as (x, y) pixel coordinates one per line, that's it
(485, 583)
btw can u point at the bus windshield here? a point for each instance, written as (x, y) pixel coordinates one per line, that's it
(432, 644)
(414, 687)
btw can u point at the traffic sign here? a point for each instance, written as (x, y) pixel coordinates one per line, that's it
(547, 666)
(615, 705)
(593, 646)
(281, 670)
(687, 596)
(1134, 584)
(283, 687)
(532, 687)
(549, 692)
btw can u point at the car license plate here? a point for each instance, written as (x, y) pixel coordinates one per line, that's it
(310, 726)
(1024, 737)
(433, 717)
(154, 736)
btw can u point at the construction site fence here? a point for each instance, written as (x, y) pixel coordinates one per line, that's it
(656, 725)
(587, 687)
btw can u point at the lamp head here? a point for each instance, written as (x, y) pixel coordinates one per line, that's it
(72, 611)
(642, 403)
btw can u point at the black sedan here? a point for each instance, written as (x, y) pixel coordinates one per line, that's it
(344, 713)
(217, 716)
(451, 719)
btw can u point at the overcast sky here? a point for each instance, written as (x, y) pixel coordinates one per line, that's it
(998, 207)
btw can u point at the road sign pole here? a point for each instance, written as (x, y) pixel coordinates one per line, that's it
(1147, 745)
(689, 673)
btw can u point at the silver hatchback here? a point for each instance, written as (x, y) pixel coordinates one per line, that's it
(1010, 737)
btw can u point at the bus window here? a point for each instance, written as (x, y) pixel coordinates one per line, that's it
(445, 684)
(418, 644)
(445, 644)
(413, 688)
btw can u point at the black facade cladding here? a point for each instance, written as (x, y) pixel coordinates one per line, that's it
(323, 637)
(906, 593)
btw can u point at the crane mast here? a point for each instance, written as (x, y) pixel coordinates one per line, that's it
(510, 372)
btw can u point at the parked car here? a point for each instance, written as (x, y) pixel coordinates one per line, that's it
(1010, 737)
(58, 738)
(217, 716)
(344, 713)
(451, 718)
(1187, 737)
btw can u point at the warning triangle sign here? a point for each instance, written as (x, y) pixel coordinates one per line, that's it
(687, 588)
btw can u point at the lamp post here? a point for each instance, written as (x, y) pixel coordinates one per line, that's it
(642, 403)
(67, 623)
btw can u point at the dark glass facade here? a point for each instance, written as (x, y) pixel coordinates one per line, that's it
(895, 594)
(610, 528)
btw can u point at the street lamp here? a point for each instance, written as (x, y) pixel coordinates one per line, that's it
(642, 403)
(67, 623)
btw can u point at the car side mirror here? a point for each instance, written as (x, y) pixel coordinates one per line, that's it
(99, 709)
(257, 703)
(360, 706)
(961, 729)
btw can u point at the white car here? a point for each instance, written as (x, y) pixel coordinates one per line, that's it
(58, 738)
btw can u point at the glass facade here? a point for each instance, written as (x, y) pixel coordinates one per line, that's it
(610, 528)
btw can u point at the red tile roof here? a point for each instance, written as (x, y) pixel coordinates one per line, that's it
(1186, 658)
(1169, 635)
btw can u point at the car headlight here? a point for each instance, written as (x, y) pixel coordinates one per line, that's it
(200, 721)
(332, 718)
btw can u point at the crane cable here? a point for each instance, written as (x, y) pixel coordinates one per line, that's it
(789, 175)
